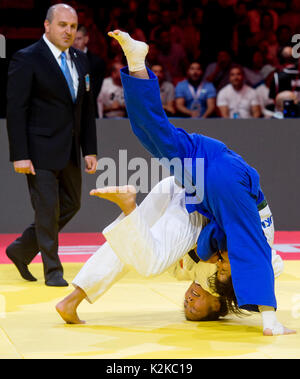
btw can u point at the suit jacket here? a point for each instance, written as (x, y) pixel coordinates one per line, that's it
(98, 68)
(42, 119)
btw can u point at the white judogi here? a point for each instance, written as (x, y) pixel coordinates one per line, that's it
(152, 240)
(157, 234)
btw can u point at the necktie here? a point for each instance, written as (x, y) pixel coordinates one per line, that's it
(67, 74)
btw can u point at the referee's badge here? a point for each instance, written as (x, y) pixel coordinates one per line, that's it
(87, 82)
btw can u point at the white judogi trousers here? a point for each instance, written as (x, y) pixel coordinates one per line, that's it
(157, 234)
(152, 239)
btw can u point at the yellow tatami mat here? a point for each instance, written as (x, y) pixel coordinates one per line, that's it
(137, 318)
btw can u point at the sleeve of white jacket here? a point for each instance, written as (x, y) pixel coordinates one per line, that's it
(188, 269)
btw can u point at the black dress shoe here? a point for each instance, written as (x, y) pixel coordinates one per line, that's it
(21, 266)
(57, 282)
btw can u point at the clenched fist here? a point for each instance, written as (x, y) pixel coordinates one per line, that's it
(24, 167)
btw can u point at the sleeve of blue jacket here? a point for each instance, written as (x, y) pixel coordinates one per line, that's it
(149, 121)
(211, 239)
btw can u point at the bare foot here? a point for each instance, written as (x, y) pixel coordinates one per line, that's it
(285, 331)
(129, 45)
(68, 313)
(135, 51)
(123, 196)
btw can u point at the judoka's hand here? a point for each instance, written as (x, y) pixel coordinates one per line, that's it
(90, 164)
(24, 167)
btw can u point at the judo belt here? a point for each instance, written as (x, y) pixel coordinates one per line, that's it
(262, 205)
(193, 255)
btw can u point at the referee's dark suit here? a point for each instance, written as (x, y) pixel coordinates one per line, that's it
(47, 127)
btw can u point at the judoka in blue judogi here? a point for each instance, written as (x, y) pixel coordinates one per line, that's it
(232, 193)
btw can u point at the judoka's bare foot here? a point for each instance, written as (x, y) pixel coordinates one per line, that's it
(284, 331)
(67, 308)
(135, 51)
(123, 196)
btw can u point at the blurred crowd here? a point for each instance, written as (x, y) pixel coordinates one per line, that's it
(213, 58)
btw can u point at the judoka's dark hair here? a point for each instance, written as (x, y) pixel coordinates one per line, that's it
(215, 315)
(226, 292)
(227, 299)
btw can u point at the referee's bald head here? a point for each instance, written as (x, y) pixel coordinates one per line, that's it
(56, 7)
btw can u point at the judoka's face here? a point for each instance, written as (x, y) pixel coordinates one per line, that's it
(199, 303)
(223, 266)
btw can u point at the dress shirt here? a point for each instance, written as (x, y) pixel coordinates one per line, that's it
(57, 52)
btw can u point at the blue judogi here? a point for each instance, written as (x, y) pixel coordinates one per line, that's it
(231, 190)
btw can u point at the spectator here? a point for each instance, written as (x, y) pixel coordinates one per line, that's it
(171, 56)
(111, 98)
(167, 90)
(97, 43)
(237, 100)
(176, 33)
(266, 34)
(286, 58)
(254, 74)
(286, 105)
(115, 15)
(287, 79)
(242, 32)
(218, 24)
(292, 17)
(152, 21)
(135, 32)
(192, 27)
(256, 15)
(263, 91)
(152, 56)
(284, 36)
(218, 72)
(97, 65)
(115, 53)
(195, 97)
(266, 7)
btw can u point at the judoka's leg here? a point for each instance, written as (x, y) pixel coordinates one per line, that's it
(98, 274)
(248, 249)
(267, 223)
(148, 119)
(104, 268)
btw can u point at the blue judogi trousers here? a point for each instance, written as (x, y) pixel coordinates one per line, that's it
(231, 190)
